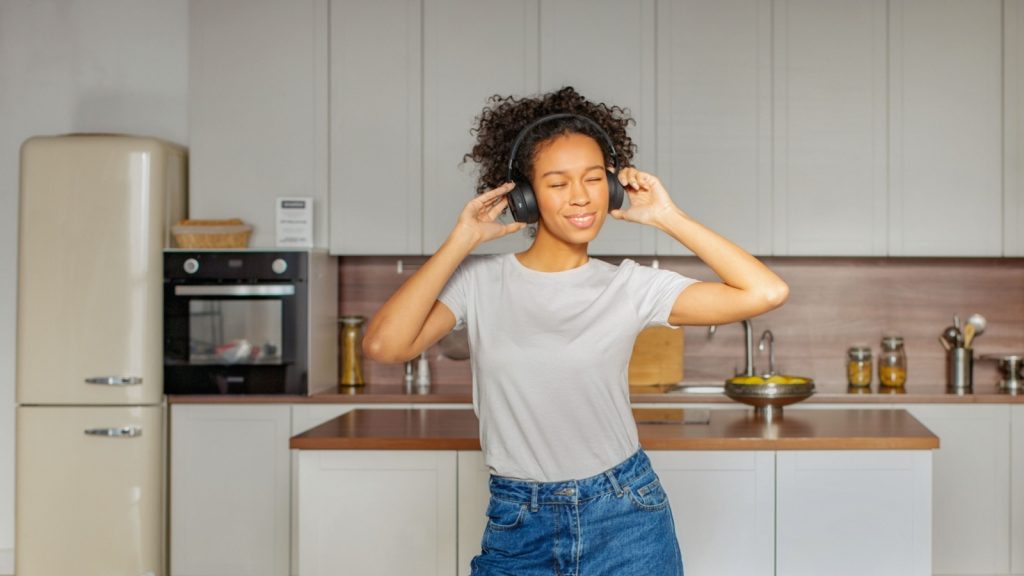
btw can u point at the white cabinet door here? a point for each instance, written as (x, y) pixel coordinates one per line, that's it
(376, 145)
(946, 128)
(714, 111)
(472, 49)
(830, 127)
(848, 512)
(257, 110)
(1013, 158)
(377, 513)
(1017, 505)
(972, 487)
(723, 504)
(474, 495)
(607, 57)
(230, 490)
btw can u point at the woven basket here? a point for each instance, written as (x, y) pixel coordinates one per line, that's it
(231, 233)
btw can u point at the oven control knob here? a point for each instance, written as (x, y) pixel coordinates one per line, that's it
(191, 266)
(279, 266)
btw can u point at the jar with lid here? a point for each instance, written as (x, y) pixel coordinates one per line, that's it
(892, 362)
(351, 335)
(858, 366)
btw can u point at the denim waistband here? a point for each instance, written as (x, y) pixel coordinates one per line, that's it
(570, 491)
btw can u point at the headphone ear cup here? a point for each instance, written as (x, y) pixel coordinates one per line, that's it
(522, 202)
(616, 193)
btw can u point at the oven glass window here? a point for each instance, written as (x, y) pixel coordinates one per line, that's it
(235, 331)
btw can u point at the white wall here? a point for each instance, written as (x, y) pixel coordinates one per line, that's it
(76, 66)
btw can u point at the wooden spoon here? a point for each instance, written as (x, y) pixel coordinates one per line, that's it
(969, 332)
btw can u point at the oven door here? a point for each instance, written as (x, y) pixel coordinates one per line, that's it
(234, 339)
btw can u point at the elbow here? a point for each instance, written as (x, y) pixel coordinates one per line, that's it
(376, 349)
(776, 295)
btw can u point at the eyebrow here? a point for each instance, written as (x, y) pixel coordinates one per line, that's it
(595, 167)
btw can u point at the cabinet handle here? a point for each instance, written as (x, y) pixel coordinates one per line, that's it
(122, 432)
(236, 290)
(114, 380)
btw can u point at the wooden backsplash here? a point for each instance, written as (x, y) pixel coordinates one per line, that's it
(833, 304)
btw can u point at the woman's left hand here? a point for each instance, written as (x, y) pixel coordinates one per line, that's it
(649, 202)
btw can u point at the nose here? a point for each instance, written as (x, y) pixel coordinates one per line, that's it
(579, 195)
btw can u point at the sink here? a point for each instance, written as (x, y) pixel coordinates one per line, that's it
(697, 388)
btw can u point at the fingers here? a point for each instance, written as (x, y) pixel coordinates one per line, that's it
(496, 207)
(487, 198)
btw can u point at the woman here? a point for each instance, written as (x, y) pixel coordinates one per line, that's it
(551, 331)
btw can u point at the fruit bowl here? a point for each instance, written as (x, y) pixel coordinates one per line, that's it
(769, 394)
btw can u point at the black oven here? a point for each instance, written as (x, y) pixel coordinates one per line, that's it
(235, 322)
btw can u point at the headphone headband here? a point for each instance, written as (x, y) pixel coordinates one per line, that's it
(526, 130)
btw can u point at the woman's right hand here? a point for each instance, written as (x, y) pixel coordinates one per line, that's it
(479, 219)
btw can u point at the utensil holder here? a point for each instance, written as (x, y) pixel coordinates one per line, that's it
(960, 369)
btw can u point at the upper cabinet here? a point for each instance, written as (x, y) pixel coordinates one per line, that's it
(792, 127)
(608, 56)
(714, 117)
(1013, 122)
(946, 128)
(473, 49)
(257, 110)
(376, 185)
(830, 138)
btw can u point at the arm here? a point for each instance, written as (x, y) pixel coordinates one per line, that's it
(412, 319)
(748, 287)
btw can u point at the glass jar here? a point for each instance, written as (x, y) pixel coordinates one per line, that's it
(350, 337)
(892, 362)
(858, 366)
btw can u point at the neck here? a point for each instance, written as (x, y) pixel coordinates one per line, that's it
(549, 254)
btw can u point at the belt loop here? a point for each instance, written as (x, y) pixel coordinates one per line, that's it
(533, 497)
(615, 483)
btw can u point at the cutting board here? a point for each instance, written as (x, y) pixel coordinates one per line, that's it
(657, 357)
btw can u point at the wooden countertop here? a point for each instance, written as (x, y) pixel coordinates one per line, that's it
(462, 394)
(659, 429)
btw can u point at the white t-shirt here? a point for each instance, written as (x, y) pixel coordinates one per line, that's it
(549, 356)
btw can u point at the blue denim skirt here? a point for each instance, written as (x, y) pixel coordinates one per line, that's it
(616, 523)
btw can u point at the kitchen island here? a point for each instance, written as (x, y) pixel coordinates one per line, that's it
(399, 491)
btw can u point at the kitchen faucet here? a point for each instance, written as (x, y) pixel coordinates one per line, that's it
(748, 333)
(767, 335)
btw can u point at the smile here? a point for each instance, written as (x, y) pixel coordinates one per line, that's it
(582, 220)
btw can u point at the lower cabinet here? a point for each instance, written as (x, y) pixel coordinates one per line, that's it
(744, 513)
(1017, 474)
(230, 490)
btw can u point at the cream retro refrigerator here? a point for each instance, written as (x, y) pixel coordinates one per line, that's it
(94, 219)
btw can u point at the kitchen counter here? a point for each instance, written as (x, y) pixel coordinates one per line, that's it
(462, 394)
(659, 429)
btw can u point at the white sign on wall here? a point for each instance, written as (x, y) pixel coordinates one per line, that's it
(295, 222)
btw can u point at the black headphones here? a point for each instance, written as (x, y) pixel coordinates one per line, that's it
(522, 201)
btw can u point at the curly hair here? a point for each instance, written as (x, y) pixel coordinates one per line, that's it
(505, 116)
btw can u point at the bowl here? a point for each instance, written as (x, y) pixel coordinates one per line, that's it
(769, 395)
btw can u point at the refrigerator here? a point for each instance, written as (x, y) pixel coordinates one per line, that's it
(94, 217)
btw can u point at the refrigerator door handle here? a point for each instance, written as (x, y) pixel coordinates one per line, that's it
(236, 290)
(114, 380)
(122, 432)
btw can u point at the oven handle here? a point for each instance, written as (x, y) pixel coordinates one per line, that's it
(236, 290)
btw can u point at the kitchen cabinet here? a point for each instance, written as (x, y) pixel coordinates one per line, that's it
(376, 185)
(718, 499)
(830, 503)
(230, 490)
(353, 501)
(1013, 136)
(1017, 503)
(466, 62)
(714, 115)
(257, 110)
(731, 493)
(830, 128)
(945, 128)
(971, 487)
(581, 52)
